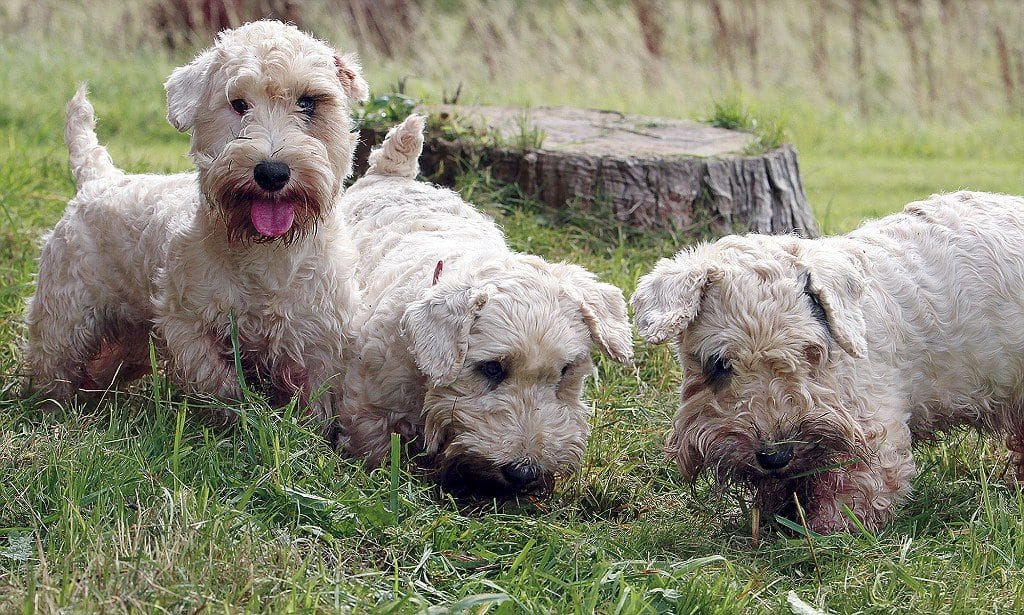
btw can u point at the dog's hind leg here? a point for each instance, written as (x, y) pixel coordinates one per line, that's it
(63, 336)
(122, 356)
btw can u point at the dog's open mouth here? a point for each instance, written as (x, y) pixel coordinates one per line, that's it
(272, 218)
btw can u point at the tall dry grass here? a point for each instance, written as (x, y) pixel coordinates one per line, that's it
(924, 58)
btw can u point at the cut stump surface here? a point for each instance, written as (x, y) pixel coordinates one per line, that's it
(648, 172)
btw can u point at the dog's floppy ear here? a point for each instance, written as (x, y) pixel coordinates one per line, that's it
(184, 88)
(836, 281)
(687, 457)
(667, 299)
(437, 330)
(603, 308)
(350, 74)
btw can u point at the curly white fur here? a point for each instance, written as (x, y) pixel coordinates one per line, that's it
(178, 255)
(474, 353)
(811, 366)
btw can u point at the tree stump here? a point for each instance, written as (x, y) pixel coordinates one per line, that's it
(647, 172)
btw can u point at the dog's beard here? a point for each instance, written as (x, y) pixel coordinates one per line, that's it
(824, 443)
(471, 478)
(232, 192)
(470, 475)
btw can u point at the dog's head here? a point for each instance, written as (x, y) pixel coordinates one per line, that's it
(269, 108)
(762, 325)
(504, 353)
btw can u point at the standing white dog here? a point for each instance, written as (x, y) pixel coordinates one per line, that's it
(811, 366)
(253, 237)
(474, 354)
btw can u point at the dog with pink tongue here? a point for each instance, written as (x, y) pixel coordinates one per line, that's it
(249, 250)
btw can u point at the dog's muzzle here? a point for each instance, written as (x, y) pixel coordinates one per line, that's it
(475, 478)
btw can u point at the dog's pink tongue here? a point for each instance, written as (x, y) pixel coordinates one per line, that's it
(272, 218)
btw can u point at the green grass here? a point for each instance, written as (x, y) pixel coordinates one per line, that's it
(855, 171)
(732, 114)
(134, 504)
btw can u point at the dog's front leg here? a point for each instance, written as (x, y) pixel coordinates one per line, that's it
(307, 383)
(199, 361)
(871, 488)
(367, 433)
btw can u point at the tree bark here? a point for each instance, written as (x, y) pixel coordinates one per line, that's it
(643, 171)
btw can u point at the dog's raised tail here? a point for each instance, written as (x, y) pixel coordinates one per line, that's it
(89, 159)
(399, 154)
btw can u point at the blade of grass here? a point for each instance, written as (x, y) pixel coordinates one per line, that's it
(155, 374)
(179, 430)
(396, 455)
(236, 354)
(859, 525)
(807, 536)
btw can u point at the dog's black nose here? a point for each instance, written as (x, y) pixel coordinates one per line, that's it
(775, 458)
(521, 474)
(271, 176)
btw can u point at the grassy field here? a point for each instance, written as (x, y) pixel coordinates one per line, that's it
(132, 505)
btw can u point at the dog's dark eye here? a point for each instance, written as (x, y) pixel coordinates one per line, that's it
(240, 106)
(492, 370)
(716, 371)
(307, 105)
(565, 370)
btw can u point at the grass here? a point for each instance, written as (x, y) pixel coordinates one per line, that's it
(135, 505)
(733, 114)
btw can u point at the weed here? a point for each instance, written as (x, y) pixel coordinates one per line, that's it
(528, 135)
(731, 113)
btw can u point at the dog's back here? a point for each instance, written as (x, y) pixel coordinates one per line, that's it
(115, 210)
(403, 227)
(949, 300)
